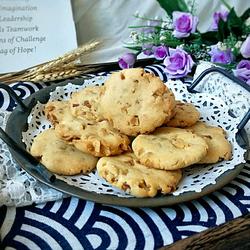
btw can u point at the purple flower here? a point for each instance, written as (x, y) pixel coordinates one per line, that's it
(160, 52)
(221, 56)
(184, 24)
(242, 71)
(217, 16)
(245, 48)
(127, 61)
(147, 49)
(178, 64)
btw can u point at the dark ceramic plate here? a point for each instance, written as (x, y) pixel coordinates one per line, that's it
(17, 123)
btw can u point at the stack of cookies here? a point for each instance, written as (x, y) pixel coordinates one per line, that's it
(133, 131)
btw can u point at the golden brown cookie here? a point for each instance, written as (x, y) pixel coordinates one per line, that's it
(85, 104)
(135, 102)
(55, 111)
(59, 157)
(219, 147)
(99, 139)
(125, 172)
(169, 148)
(186, 115)
(172, 110)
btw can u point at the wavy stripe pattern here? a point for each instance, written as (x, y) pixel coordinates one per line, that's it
(76, 224)
(59, 224)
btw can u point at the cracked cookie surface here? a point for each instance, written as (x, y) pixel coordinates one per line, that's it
(135, 102)
(59, 157)
(98, 139)
(169, 148)
(125, 172)
(219, 148)
(186, 115)
(85, 104)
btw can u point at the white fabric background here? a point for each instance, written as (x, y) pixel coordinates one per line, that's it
(109, 20)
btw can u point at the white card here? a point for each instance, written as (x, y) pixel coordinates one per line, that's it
(34, 31)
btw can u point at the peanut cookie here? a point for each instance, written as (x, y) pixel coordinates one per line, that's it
(55, 111)
(218, 146)
(59, 157)
(85, 104)
(172, 110)
(135, 101)
(186, 115)
(125, 172)
(99, 139)
(169, 148)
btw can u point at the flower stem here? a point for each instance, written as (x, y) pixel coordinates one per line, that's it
(226, 4)
(149, 19)
(192, 7)
(147, 26)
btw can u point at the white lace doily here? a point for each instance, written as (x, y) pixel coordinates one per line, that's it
(17, 187)
(235, 96)
(213, 110)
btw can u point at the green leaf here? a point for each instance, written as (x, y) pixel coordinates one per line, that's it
(171, 43)
(173, 5)
(135, 48)
(223, 30)
(234, 23)
(210, 37)
(245, 15)
(192, 38)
